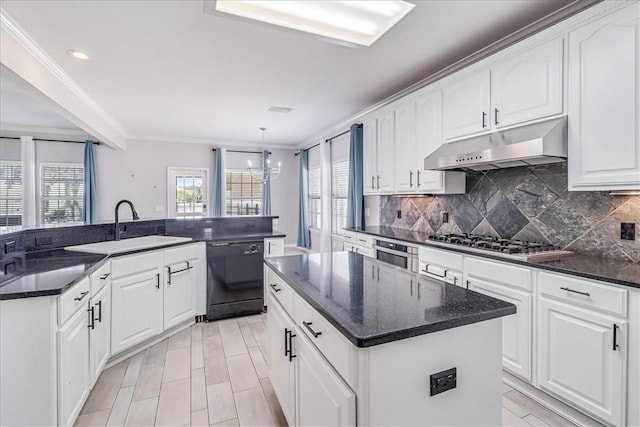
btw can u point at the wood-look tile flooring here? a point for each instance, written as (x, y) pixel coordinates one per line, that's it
(216, 374)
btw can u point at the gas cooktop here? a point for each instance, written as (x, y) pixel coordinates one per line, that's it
(513, 249)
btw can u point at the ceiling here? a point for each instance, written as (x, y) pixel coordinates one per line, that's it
(167, 71)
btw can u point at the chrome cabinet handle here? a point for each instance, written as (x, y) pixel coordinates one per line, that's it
(410, 178)
(468, 283)
(308, 326)
(378, 178)
(189, 267)
(99, 304)
(273, 286)
(615, 337)
(484, 116)
(291, 337)
(586, 294)
(495, 115)
(92, 320)
(418, 180)
(105, 276)
(81, 297)
(286, 341)
(373, 182)
(158, 281)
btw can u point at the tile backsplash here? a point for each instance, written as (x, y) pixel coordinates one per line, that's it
(527, 203)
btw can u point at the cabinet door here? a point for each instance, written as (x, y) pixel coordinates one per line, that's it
(405, 143)
(604, 81)
(73, 367)
(516, 329)
(323, 399)
(273, 247)
(136, 309)
(578, 362)
(528, 86)
(100, 334)
(466, 106)
(370, 141)
(281, 366)
(179, 293)
(428, 139)
(386, 152)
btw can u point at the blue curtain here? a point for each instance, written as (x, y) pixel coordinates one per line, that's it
(304, 237)
(355, 201)
(266, 187)
(219, 182)
(90, 200)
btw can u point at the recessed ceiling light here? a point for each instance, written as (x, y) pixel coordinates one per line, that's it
(77, 54)
(359, 22)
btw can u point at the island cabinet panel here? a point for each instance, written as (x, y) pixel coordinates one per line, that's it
(604, 80)
(583, 359)
(324, 399)
(281, 357)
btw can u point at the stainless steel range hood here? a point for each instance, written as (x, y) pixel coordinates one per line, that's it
(538, 143)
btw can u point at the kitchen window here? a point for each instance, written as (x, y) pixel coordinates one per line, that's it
(10, 194)
(244, 192)
(315, 198)
(187, 192)
(61, 193)
(339, 196)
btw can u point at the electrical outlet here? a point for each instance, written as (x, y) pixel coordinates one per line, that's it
(443, 381)
(445, 217)
(399, 213)
(628, 230)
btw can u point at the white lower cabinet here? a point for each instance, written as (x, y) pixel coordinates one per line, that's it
(99, 332)
(309, 390)
(73, 367)
(179, 289)
(323, 399)
(281, 365)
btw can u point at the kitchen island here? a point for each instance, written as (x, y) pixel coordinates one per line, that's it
(354, 341)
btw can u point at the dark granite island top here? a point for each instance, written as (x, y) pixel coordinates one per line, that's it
(372, 303)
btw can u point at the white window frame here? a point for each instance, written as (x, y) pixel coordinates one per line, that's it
(172, 172)
(40, 195)
(15, 163)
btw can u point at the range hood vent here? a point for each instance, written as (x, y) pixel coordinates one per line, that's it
(534, 144)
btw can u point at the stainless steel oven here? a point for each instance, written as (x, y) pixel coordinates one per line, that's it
(404, 256)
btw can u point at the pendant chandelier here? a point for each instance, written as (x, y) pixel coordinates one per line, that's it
(266, 173)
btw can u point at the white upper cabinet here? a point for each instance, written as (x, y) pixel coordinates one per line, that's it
(466, 106)
(528, 86)
(428, 129)
(603, 97)
(405, 144)
(370, 152)
(386, 152)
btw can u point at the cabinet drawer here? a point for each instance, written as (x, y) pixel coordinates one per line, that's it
(73, 299)
(280, 291)
(100, 277)
(350, 236)
(368, 252)
(180, 254)
(333, 346)
(517, 277)
(440, 258)
(584, 293)
(364, 240)
(134, 264)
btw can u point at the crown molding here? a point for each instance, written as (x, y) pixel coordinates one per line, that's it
(212, 142)
(11, 28)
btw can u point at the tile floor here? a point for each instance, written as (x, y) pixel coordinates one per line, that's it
(216, 374)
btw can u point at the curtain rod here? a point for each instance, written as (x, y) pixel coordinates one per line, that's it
(313, 146)
(50, 140)
(242, 151)
(340, 134)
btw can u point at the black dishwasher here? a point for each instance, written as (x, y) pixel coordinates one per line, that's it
(235, 283)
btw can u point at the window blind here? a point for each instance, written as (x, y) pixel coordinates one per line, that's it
(10, 194)
(244, 192)
(315, 195)
(339, 195)
(61, 193)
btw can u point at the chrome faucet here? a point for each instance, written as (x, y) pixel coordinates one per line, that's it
(133, 212)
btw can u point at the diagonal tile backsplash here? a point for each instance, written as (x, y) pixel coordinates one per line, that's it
(527, 203)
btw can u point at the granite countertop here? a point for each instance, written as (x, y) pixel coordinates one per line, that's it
(372, 302)
(587, 266)
(52, 272)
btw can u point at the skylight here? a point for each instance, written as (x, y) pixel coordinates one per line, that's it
(359, 22)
